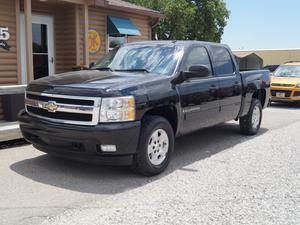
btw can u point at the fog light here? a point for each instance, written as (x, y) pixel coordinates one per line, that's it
(108, 148)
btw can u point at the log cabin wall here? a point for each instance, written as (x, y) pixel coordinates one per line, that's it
(8, 59)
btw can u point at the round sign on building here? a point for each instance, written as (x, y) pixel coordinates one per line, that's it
(94, 41)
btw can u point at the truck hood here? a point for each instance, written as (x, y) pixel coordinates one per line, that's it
(96, 83)
(285, 80)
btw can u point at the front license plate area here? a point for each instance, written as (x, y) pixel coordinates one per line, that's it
(280, 94)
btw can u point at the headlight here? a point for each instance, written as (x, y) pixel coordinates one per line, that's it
(119, 109)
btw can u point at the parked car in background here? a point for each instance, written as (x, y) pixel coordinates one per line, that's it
(285, 83)
(128, 108)
(271, 68)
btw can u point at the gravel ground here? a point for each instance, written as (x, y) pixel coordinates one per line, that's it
(217, 176)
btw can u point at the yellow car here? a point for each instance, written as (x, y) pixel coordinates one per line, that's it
(285, 83)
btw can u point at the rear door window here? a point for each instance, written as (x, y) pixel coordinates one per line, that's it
(223, 64)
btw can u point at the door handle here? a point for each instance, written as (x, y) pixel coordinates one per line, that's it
(213, 87)
(52, 60)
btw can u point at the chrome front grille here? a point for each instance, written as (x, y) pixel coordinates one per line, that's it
(67, 109)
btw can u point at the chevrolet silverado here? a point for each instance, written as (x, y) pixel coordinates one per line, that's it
(129, 107)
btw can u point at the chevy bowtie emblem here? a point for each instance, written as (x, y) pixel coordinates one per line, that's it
(51, 106)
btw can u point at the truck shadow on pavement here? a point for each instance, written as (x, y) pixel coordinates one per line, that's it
(96, 179)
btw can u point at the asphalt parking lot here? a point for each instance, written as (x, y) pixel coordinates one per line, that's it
(217, 176)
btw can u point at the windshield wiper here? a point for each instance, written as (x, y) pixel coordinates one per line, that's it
(133, 70)
(104, 69)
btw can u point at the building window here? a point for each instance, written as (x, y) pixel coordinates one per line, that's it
(116, 40)
(118, 29)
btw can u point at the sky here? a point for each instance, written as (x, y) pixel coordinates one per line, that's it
(263, 24)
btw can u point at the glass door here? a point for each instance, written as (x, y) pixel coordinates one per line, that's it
(42, 46)
(40, 50)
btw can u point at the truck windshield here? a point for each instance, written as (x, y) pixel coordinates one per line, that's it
(158, 59)
(287, 71)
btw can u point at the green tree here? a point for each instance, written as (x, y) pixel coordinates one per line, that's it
(210, 20)
(189, 19)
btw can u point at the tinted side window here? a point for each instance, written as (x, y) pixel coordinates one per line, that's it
(196, 56)
(223, 64)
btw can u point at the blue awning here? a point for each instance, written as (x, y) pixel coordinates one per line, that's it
(118, 25)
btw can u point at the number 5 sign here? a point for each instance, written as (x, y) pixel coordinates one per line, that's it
(4, 34)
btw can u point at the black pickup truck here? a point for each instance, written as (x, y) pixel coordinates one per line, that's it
(129, 107)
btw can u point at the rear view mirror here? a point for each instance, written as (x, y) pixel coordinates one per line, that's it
(197, 71)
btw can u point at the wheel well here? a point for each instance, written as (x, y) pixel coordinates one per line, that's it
(168, 112)
(261, 96)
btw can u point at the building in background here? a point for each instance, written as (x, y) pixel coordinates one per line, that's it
(273, 56)
(39, 38)
(248, 60)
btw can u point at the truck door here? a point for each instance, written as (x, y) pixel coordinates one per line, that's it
(198, 96)
(230, 83)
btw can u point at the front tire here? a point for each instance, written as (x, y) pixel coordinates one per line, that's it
(155, 146)
(250, 124)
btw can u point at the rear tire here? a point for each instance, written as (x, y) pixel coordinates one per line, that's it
(250, 124)
(155, 146)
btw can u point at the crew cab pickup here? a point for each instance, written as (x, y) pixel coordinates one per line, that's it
(129, 107)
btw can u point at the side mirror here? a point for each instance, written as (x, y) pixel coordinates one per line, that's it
(194, 72)
(197, 71)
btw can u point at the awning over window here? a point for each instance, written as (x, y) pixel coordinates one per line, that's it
(117, 25)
